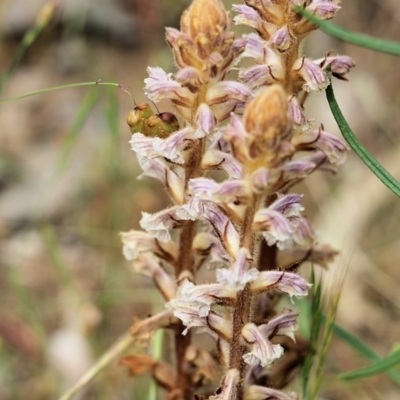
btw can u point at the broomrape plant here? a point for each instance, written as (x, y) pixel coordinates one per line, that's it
(244, 221)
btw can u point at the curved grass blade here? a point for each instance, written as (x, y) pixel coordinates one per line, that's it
(358, 345)
(361, 40)
(386, 178)
(54, 88)
(383, 365)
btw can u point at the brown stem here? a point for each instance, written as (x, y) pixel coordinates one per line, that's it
(182, 342)
(241, 314)
(185, 263)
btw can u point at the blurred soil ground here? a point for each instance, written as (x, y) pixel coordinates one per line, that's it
(68, 186)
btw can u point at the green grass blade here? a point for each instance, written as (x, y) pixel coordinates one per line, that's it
(55, 88)
(383, 365)
(316, 326)
(386, 178)
(369, 42)
(114, 352)
(44, 18)
(157, 354)
(88, 103)
(362, 348)
(112, 114)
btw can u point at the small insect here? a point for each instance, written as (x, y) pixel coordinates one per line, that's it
(142, 119)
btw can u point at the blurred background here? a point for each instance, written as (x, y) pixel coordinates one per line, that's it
(68, 186)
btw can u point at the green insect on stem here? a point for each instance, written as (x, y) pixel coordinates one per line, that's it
(142, 119)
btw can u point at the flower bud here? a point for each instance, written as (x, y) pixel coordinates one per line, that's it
(266, 120)
(203, 32)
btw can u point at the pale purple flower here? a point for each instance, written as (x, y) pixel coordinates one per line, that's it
(206, 244)
(255, 392)
(261, 179)
(220, 324)
(304, 234)
(298, 117)
(192, 303)
(283, 324)
(323, 9)
(246, 16)
(196, 209)
(228, 387)
(148, 264)
(138, 242)
(205, 121)
(288, 204)
(160, 85)
(334, 147)
(219, 160)
(255, 48)
(143, 147)
(339, 65)
(160, 223)
(188, 75)
(225, 192)
(288, 282)
(224, 96)
(260, 75)
(159, 170)
(239, 274)
(309, 75)
(282, 39)
(298, 169)
(275, 227)
(174, 146)
(262, 352)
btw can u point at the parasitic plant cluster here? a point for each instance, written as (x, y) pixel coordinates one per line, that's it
(241, 143)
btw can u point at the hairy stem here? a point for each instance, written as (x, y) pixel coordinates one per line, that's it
(185, 263)
(241, 314)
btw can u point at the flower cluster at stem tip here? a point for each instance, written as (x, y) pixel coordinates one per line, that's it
(229, 164)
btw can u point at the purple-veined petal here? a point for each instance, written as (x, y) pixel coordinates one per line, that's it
(205, 121)
(239, 274)
(246, 16)
(143, 147)
(206, 244)
(174, 145)
(274, 226)
(310, 75)
(196, 300)
(159, 170)
(298, 117)
(288, 204)
(160, 223)
(228, 387)
(283, 324)
(282, 39)
(219, 160)
(160, 85)
(288, 282)
(225, 192)
(323, 9)
(137, 242)
(148, 264)
(340, 65)
(227, 91)
(209, 211)
(255, 392)
(262, 352)
(334, 147)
